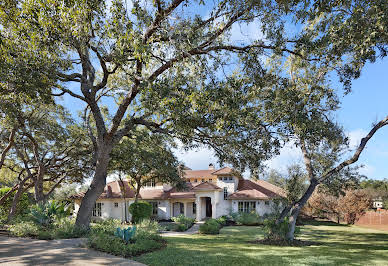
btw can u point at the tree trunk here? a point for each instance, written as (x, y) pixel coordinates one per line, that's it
(295, 209)
(15, 201)
(38, 186)
(137, 191)
(96, 187)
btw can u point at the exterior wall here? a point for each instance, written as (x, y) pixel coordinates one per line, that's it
(230, 184)
(261, 207)
(223, 206)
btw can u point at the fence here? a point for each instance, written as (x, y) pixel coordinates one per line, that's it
(378, 217)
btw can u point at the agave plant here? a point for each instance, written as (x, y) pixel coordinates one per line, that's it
(126, 234)
(45, 213)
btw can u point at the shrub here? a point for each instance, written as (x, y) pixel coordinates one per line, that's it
(251, 218)
(24, 229)
(140, 210)
(45, 214)
(222, 220)
(21, 208)
(183, 222)
(278, 231)
(146, 239)
(65, 228)
(106, 226)
(211, 227)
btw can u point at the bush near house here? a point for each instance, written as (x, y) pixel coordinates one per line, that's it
(146, 239)
(140, 210)
(210, 227)
(47, 221)
(22, 206)
(277, 232)
(246, 218)
(182, 223)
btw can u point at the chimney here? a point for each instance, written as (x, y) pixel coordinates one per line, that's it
(109, 192)
(211, 167)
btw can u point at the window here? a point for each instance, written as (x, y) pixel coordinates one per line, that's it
(154, 207)
(220, 178)
(182, 206)
(210, 180)
(225, 193)
(230, 178)
(195, 180)
(246, 206)
(116, 204)
(150, 183)
(97, 209)
(203, 180)
(266, 202)
(194, 208)
(225, 178)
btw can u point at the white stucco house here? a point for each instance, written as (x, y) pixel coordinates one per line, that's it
(210, 193)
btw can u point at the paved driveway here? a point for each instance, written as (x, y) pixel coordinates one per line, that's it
(25, 251)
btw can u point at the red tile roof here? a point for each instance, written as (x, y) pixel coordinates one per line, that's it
(249, 189)
(205, 186)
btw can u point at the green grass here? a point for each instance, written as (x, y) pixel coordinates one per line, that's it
(339, 245)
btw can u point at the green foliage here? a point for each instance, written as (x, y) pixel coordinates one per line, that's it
(107, 226)
(279, 231)
(183, 222)
(126, 234)
(140, 210)
(222, 220)
(21, 208)
(60, 229)
(45, 214)
(65, 228)
(210, 227)
(114, 241)
(245, 218)
(145, 157)
(24, 229)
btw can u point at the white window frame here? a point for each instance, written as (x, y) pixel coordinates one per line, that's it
(225, 193)
(246, 206)
(155, 207)
(97, 210)
(150, 183)
(116, 204)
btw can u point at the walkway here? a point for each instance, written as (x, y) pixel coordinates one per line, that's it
(25, 251)
(193, 230)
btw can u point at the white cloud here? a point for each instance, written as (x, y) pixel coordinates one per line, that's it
(289, 155)
(246, 32)
(196, 159)
(355, 137)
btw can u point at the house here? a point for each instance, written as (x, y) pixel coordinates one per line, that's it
(377, 203)
(210, 193)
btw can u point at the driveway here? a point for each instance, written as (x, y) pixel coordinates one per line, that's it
(25, 251)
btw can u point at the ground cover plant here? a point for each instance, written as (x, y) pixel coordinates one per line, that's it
(336, 245)
(103, 237)
(47, 221)
(181, 223)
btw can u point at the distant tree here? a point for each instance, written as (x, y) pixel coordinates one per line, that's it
(353, 205)
(144, 158)
(294, 182)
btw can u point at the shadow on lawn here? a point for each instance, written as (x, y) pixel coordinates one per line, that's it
(231, 247)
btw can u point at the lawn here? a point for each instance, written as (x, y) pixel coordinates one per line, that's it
(338, 245)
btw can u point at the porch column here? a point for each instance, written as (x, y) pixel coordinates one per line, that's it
(185, 208)
(214, 209)
(199, 210)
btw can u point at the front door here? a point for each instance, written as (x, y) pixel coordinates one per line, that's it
(208, 207)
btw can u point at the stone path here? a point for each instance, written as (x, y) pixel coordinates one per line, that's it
(193, 230)
(25, 251)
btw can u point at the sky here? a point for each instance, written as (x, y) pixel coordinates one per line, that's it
(365, 105)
